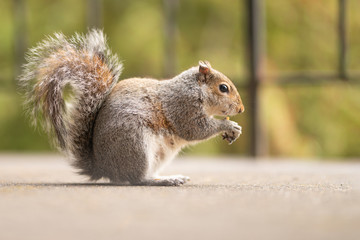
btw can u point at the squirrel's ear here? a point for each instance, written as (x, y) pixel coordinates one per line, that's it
(204, 67)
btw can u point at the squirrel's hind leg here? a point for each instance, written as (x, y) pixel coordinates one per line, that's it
(158, 153)
(174, 180)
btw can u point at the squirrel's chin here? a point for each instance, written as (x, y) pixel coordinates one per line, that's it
(232, 114)
(225, 114)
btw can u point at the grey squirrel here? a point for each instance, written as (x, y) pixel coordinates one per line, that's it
(124, 131)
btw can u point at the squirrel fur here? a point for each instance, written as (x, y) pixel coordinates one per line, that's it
(126, 130)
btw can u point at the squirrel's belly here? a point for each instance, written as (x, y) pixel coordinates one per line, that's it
(160, 149)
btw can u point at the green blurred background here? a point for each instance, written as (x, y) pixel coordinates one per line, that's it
(318, 119)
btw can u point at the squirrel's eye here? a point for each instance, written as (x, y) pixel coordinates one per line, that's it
(223, 88)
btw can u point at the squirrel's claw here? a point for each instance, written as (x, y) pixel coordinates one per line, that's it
(228, 138)
(224, 136)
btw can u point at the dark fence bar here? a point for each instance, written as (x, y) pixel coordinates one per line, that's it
(170, 10)
(19, 8)
(342, 35)
(94, 13)
(255, 28)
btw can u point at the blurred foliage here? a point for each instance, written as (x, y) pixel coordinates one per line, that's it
(321, 120)
(301, 35)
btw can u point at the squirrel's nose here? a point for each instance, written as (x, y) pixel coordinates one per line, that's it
(242, 109)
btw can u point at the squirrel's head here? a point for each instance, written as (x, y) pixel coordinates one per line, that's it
(221, 97)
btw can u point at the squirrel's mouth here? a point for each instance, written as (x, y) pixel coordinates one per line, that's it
(224, 113)
(227, 113)
(231, 111)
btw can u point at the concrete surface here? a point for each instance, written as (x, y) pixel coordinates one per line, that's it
(42, 198)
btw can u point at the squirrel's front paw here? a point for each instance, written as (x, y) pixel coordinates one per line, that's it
(233, 131)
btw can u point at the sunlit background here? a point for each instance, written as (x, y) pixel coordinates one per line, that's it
(296, 64)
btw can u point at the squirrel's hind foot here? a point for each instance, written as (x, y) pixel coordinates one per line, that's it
(175, 180)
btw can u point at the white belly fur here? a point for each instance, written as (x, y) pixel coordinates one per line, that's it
(160, 150)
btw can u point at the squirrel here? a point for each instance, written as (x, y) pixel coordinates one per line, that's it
(124, 131)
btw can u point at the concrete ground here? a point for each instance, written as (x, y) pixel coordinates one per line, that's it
(42, 198)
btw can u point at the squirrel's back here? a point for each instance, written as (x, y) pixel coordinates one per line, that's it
(83, 62)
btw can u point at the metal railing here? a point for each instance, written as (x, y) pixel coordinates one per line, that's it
(256, 38)
(255, 32)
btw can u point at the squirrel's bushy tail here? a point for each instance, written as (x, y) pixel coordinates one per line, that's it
(83, 62)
